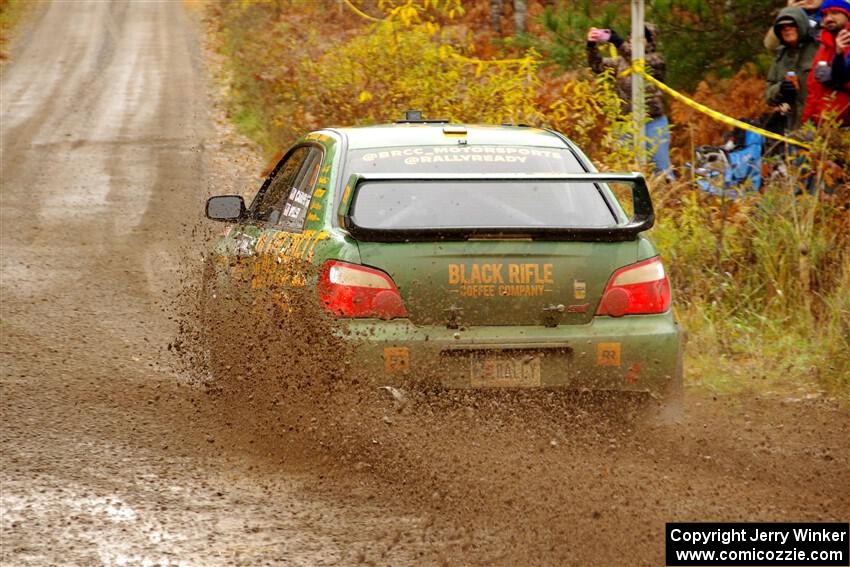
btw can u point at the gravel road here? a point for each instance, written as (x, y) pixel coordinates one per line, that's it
(112, 454)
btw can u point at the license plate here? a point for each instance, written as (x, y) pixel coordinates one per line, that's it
(501, 370)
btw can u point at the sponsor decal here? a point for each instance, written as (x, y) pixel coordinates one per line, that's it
(396, 359)
(276, 251)
(579, 289)
(244, 244)
(291, 211)
(299, 197)
(459, 154)
(492, 279)
(319, 137)
(608, 354)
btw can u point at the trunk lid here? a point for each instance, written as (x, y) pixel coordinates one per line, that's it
(499, 282)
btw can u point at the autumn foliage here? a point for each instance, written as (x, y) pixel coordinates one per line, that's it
(741, 96)
(417, 55)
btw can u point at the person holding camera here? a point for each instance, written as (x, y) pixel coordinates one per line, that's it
(786, 80)
(658, 130)
(828, 83)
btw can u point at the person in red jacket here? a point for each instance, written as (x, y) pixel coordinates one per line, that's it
(828, 84)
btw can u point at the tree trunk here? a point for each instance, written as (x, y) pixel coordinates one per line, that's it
(496, 15)
(520, 13)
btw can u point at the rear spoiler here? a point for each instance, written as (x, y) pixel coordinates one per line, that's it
(642, 219)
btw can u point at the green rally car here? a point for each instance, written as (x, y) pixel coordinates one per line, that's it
(467, 255)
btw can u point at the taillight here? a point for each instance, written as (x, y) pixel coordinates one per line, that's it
(638, 289)
(349, 290)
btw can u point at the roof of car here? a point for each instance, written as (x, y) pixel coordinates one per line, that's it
(430, 134)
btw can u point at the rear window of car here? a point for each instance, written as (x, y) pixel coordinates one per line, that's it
(418, 204)
(480, 203)
(463, 159)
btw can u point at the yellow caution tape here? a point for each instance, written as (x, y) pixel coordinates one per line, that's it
(524, 60)
(640, 67)
(360, 13)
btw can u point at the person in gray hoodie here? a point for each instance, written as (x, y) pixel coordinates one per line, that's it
(812, 9)
(795, 54)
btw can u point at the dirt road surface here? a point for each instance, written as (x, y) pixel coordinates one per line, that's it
(113, 455)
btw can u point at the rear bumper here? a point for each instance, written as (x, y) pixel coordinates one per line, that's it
(632, 353)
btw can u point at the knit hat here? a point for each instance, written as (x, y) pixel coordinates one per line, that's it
(839, 5)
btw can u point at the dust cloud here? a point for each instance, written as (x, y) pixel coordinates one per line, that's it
(496, 477)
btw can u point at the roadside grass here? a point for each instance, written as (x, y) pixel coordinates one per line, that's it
(252, 43)
(11, 12)
(762, 286)
(250, 123)
(768, 358)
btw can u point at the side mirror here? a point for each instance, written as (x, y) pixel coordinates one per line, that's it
(227, 208)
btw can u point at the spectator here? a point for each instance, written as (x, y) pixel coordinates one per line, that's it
(829, 84)
(658, 129)
(797, 50)
(840, 71)
(812, 9)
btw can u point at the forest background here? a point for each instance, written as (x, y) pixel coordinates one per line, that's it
(762, 284)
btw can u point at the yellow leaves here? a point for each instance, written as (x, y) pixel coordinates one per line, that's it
(589, 112)
(405, 62)
(431, 28)
(410, 13)
(407, 15)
